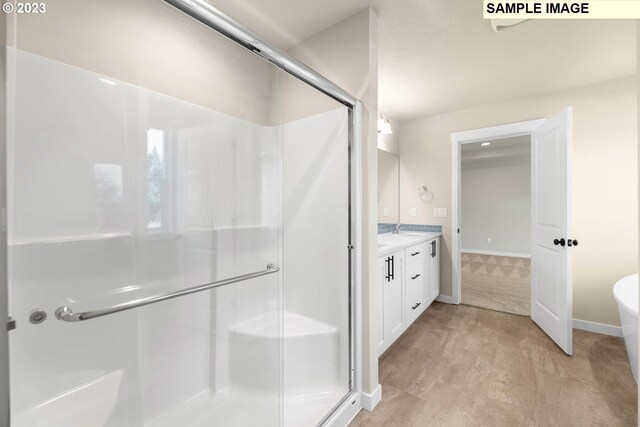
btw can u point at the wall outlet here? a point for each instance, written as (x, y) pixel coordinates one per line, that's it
(412, 212)
(488, 239)
(439, 212)
(385, 211)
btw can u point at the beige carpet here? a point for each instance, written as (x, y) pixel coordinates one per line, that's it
(497, 282)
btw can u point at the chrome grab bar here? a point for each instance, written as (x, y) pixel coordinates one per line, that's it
(66, 313)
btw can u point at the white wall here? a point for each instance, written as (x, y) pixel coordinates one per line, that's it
(496, 204)
(604, 181)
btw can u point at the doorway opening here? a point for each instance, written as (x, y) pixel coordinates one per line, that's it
(551, 240)
(495, 226)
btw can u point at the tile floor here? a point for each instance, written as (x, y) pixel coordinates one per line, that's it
(497, 282)
(467, 366)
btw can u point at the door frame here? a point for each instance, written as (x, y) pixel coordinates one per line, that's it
(466, 137)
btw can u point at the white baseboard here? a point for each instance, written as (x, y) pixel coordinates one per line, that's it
(370, 401)
(599, 328)
(584, 325)
(445, 299)
(510, 254)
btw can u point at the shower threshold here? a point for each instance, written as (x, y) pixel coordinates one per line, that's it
(247, 408)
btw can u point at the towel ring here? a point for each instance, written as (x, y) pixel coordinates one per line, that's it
(424, 193)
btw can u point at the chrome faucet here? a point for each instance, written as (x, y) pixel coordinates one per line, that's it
(396, 230)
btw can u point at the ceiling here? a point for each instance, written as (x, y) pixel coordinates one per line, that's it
(504, 148)
(437, 56)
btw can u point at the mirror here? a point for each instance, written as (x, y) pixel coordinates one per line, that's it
(388, 187)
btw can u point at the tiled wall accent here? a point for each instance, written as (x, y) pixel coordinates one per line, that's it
(422, 227)
(385, 228)
(388, 228)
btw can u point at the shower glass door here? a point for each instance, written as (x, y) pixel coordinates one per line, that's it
(317, 328)
(148, 156)
(144, 159)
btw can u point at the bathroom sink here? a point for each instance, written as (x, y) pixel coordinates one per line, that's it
(384, 239)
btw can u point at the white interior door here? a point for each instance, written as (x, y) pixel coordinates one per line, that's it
(551, 278)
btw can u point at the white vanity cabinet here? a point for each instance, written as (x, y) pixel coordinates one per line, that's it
(409, 281)
(390, 271)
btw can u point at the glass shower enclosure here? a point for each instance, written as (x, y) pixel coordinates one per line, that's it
(179, 223)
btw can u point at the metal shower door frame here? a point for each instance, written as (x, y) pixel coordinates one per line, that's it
(4, 283)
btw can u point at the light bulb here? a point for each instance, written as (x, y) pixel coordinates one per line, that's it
(386, 128)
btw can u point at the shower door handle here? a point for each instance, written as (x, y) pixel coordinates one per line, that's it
(66, 314)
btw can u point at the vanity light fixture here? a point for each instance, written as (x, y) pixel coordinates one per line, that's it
(384, 127)
(484, 144)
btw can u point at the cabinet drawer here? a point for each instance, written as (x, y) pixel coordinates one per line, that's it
(416, 252)
(417, 287)
(417, 270)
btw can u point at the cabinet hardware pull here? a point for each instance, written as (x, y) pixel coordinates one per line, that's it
(415, 253)
(572, 242)
(393, 269)
(388, 275)
(415, 306)
(558, 242)
(415, 277)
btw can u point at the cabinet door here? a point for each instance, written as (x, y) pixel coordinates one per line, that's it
(434, 269)
(392, 299)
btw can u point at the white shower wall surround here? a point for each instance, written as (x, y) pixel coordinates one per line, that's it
(118, 193)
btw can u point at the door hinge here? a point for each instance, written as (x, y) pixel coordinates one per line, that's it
(349, 247)
(458, 231)
(11, 324)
